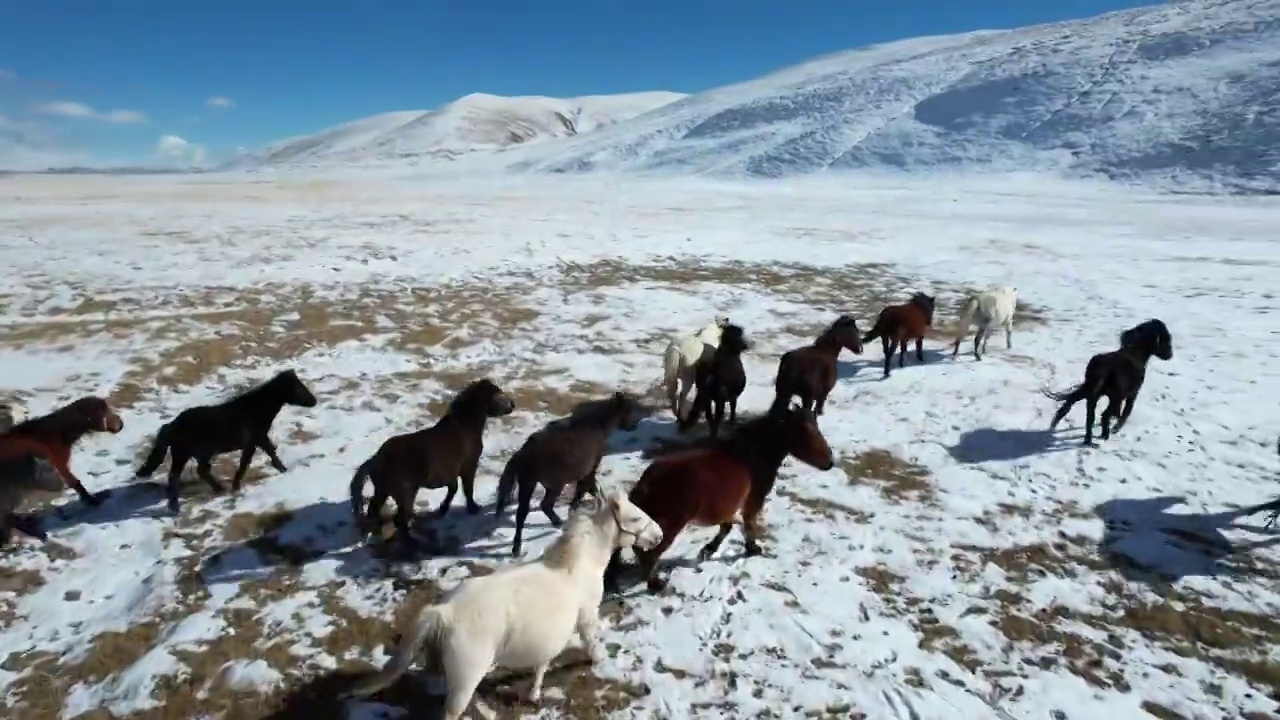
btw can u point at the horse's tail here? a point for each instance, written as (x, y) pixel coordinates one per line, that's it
(357, 490)
(671, 374)
(507, 483)
(425, 636)
(1074, 394)
(158, 451)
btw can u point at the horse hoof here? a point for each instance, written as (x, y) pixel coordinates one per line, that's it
(656, 585)
(474, 509)
(281, 468)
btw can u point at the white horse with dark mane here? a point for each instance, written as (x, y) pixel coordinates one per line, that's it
(683, 351)
(523, 616)
(988, 310)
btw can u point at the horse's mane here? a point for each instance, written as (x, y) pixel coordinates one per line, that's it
(749, 425)
(589, 412)
(733, 339)
(64, 419)
(1149, 330)
(470, 397)
(562, 553)
(250, 389)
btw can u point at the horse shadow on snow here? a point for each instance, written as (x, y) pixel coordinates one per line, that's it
(326, 530)
(991, 444)
(1145, 542)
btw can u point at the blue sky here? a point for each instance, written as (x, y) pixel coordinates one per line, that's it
(111, 78)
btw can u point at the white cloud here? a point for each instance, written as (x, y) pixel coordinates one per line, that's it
(220, 103)
(178, 149)
(7, 75)
(70, 109)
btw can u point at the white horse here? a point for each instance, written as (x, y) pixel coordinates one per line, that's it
(988, 309)
(683, 351)
(523, 616)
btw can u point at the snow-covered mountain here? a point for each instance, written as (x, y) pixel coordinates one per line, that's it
(1189, 88)
(475, 123)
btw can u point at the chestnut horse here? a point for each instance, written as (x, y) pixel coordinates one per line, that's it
(241, 423)
(52, 436)
(568, 450)
(810, 371)
(1118, 375)
(721, 483)
(433, 457)
(720, 381)
(18, 477)
(897, 324)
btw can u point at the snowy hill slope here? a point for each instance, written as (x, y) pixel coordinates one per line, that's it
(1173, 89)
(477, 122)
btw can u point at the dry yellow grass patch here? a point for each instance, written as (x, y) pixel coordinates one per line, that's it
(897, 479)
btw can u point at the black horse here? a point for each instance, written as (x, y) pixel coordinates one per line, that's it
(719, 380)
(1118, 375)
(241, 423)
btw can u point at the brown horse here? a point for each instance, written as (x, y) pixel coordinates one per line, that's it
(52, 437)
(241, 423)
(566, 451)
(724, 482)
(434, 457)
(897, 324)
(810, 371)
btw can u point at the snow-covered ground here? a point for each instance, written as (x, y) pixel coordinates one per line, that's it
(949, 567)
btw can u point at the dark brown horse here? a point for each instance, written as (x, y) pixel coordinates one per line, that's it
(18, 477)
(1119, 375)
(720, 381)
(565, 451)
(52, 436)
(241, 423)
(724, 482)
(898, 324)
(809, 372)
(434, 457)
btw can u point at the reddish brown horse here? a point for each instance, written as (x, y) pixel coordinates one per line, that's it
(721, 483)
(52, 436)
(897, 324)
(810, 372)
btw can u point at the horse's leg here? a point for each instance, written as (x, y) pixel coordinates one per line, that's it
(1114, 402)
(1091, 412)
(1008, 334)
(611, 571)
(806, 398)
(714, 423)
(60, 459)
(535, 689)
(528, 481)
(405, 493)
(373, 514)
(920, 348)
(649, 558)
(751, 525)
(886, 343)
(447, 502)
(269, 448)
(902, 352)
(548, 504)
(468, 477)
(586, 485)
(977, 339)
(464, 668)
(687, 380)
(177, 461)
(586, 627)
(204, 469)
(28, 524)
(733, 411)
(1124, 414)
(821, 405)
(710, 548)
(246, 457)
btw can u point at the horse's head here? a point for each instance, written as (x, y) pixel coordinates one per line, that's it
(93, 414)
(722, 321)
(1151, 336)
(630, 411)
(293, 390)
(484, 397)
(733, 339)
(845, 331)
(925, 303)
(635, 527)
(802, 437)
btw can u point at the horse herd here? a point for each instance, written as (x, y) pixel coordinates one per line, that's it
(523, 616)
